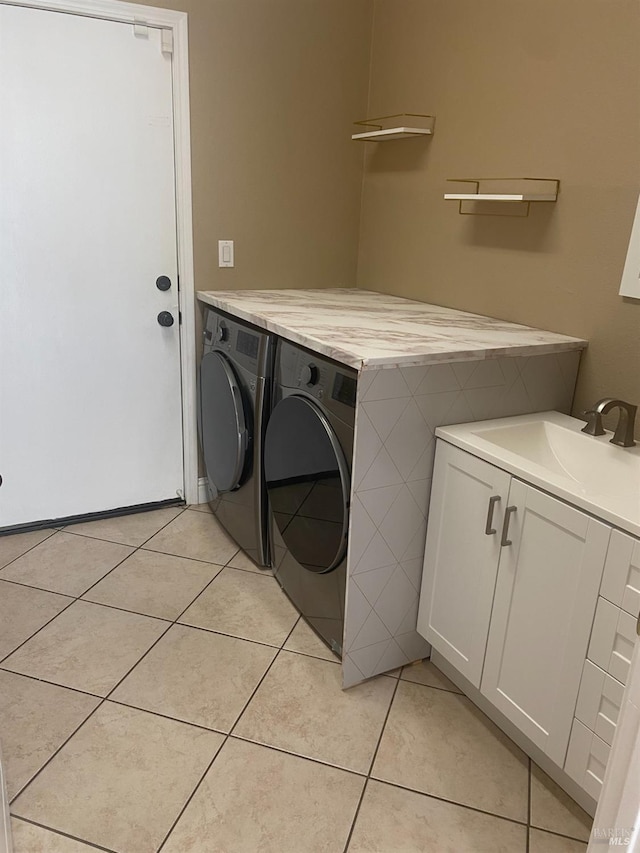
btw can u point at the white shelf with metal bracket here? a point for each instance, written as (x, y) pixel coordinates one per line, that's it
(400, 126)
(514, 191)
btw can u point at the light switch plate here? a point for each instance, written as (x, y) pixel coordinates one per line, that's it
(225, 253)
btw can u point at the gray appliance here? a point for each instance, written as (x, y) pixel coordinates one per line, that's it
(307, 458)
(233, 403)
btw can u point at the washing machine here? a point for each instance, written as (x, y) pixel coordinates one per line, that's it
(307, 461)
(234, 388)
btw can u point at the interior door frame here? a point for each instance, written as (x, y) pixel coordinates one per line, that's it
(176, 22)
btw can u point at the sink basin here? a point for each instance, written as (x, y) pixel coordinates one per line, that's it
(595, 465)
(550, 450)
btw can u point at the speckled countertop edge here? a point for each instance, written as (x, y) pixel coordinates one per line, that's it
(369, 330)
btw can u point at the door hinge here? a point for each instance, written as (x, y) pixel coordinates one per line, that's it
(167, 41)
(140, 28)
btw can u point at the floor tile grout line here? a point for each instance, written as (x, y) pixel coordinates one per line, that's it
(53, 533)
(229, 734)
(218, 751)
(266, 672)
(521, 823)
(130, 670)
(53, 755)
(125, 610)
(85, 536)
(64, 834)
(185, 557)
(232, 636)
(355, 816)
(200, 726)
(430, 686)
(136, 548)
(282, 751)
(51, 683)
(373, 759)
(171, 625)
(164, 526)
(42, 627)
(192, 795)
(558, 834)
(245, 739)
(226, 738)
(384, 726)
(81, 599)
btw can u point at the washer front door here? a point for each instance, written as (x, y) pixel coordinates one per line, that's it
(308, 483)
(224, 424)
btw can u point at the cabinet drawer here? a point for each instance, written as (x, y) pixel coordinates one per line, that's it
(612, 640)
(621, 578)
(587, 758)
(599, 701)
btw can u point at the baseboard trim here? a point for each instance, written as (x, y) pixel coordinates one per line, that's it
(5, 821)
(203, 490)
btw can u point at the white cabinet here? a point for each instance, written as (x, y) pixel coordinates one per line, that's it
(612, 640)
(599, 701)
(621, 579)
(587, 758)
(543, 608)
(511, 610)
(461, 557)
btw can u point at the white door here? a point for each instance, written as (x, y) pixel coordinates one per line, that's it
(462, 551)
(546, 592)
(90, 403)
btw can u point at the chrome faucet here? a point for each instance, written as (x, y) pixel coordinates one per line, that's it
(623, 436)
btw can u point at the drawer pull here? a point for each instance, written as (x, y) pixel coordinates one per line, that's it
(505, 527)
(488, 528)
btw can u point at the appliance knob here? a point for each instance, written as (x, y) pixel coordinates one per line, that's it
(222, 333)
(309, 375)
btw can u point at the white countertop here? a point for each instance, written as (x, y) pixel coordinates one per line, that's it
(364, 329)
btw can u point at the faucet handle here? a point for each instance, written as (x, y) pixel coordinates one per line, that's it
(594, 423)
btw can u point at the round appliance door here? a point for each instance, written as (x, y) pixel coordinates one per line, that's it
(308, 483)
(223, 423)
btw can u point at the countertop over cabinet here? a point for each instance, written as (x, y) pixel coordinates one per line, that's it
(365, 329)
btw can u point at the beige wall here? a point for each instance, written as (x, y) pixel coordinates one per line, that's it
(547, 88)
(275, 85)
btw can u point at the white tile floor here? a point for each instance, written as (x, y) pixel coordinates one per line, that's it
(158, 692)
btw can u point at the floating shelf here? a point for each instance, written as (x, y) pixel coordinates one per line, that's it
(520, 191)
(401, 126)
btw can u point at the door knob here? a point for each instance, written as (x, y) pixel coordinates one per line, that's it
(165, 318)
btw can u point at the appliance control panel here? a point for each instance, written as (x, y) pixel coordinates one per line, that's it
(242, 343)
(316, 376)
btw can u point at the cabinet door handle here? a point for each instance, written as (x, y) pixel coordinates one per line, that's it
(488, 528)
(505, 527)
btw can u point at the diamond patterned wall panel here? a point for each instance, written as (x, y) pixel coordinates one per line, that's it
(398, 410)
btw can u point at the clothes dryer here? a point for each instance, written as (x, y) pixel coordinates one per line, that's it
(233, 403)
(308, 455)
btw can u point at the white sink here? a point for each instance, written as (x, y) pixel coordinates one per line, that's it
(550, 450)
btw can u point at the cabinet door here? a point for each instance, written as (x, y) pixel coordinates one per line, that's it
(546, 594)
(461, 557)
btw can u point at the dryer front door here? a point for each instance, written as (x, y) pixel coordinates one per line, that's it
(308, 483)
(224, 424)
